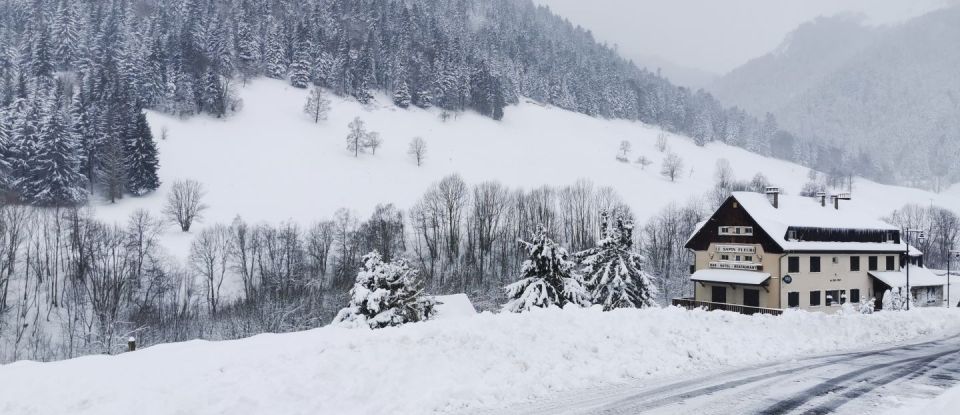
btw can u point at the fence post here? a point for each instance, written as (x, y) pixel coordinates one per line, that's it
(131, 344)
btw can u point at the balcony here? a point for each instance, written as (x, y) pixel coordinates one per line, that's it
(691, 304)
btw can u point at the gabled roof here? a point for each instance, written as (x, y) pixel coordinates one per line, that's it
(803, 212)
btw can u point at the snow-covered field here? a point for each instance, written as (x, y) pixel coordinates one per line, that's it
(446, 366)
(271, 163)
(947, 403)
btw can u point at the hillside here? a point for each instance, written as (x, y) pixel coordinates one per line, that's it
(886, 95)
(271, 163)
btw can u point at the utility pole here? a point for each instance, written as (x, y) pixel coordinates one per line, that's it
(952, 254)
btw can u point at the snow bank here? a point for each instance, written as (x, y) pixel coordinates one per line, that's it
(947, 403)
(454, 306)
(445, 366)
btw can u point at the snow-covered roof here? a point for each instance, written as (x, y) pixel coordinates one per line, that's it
(729, 276)
(804, 212)
(919, 277)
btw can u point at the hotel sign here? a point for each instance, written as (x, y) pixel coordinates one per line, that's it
(736, 249)
(742, 266)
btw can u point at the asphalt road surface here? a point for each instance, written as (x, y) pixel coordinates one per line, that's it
(863, 382)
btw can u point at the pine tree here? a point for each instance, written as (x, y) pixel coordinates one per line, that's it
(300, 67)
(276, 61)
(317, 105)
(54, 177)
(401, 97)
(548, 278)
(386, 294)
(66, 36)
(613, 271)
(141, 159)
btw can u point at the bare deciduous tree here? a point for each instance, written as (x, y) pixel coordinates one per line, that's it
(672, 165)
(356, 137)
(184, 203)
(418, 150)
(643, 161)
(662, 142)
(317, 106)
(208, 255)
(623, 154)
(373, 141)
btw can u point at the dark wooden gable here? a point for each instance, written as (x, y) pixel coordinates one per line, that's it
(731, 213)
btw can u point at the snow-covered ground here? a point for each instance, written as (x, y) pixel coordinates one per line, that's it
(447, 366)
(947, 403)
(271, 163)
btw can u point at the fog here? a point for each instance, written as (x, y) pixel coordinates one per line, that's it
(697, 39)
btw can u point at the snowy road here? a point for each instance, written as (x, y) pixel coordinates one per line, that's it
(864, 382)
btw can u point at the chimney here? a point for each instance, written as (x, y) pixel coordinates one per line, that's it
(775, 191)
(823, 198)
(838, 197)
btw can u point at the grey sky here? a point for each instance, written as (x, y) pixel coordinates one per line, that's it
(716, 35)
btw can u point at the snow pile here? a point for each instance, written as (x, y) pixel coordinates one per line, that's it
(454, 306)
(446, 366)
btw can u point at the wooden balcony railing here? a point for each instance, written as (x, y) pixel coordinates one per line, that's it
(691, 304)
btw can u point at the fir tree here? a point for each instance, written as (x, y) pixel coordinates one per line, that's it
(141, 159)
(401, 97)
(548, 278)
(613, 270)
(54, 177)
(386, 294)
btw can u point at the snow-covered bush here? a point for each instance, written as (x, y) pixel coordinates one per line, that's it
(613, 271)
(895, 300)
(867, 307)
(548, 278)
(385, 294)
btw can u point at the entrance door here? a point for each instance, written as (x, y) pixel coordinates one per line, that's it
(719, 295)
(751, 298)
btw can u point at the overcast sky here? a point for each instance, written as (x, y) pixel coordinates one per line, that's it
(714, 35)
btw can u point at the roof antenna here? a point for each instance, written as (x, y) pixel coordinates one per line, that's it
(775, 191)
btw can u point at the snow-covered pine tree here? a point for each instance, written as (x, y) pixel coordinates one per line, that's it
(548, 278)
(276, 61)
(613, 270)
(54, 177)
(401, 97)
(317, 105)
(300, 66)
(141, 159)
(385, 294)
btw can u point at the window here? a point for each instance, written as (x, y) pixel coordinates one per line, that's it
(814, 264)
(854, 263)
(854, 296)
(833, 297)
(793, 264)
(814, 298)
(791, 235)
(736, 230)
(890, 262)
(748, 258)
(724, 230)
(793, 299)
(871, 263)
(835, 260)
(748, 230)
(724, 257)
(718, 294)
(738, 258)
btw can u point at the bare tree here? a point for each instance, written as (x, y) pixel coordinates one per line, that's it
(672, 165)
(418, 150)
(373, 141)
(662, 142)
(356, 137)
(208, 255)
(317, 106)
(623, 154)
(184, 203)
(723, 174)
(643, 161)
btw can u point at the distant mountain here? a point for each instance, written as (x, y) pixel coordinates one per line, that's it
(889, 96)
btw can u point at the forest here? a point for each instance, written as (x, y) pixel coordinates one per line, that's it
(77, 75)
